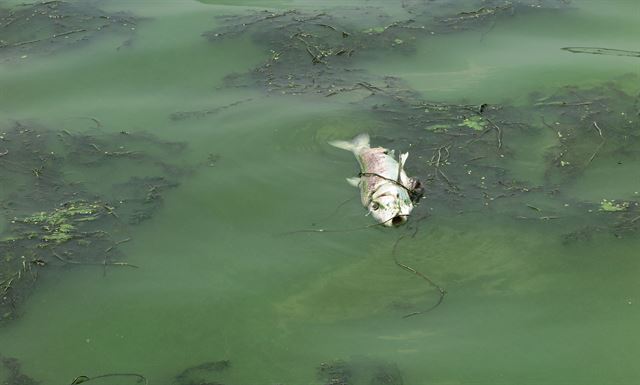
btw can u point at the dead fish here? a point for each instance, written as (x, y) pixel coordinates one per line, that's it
(386, 190)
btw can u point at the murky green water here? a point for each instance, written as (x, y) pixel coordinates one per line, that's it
(218, 280)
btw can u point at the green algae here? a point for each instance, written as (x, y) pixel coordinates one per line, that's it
(475, 122)
(613, 206)
(60, 225)
(437, 128)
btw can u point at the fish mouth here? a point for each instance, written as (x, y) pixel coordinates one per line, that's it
(398, 220)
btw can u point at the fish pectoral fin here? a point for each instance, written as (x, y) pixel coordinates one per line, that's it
(355, 181)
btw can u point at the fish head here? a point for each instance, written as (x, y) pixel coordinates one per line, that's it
(391, 205)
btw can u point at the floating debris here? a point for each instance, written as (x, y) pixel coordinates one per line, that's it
(474, 122)
(315, 52)
(359, 371)
(56, 221)
(50, 26)
(203, 113)
(140, 379)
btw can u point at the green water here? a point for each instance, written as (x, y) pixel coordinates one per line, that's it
(219, 281)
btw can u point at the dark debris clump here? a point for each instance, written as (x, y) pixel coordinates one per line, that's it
(359, 371)
(207, 373)
(318, 52)
(13, 374)
(50, 26)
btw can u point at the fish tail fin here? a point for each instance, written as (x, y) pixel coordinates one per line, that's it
(359, 142)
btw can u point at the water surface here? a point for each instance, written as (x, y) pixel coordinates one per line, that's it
(219, 281)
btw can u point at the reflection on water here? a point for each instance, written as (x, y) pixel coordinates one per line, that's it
(531, 228)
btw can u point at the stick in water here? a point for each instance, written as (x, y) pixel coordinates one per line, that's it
(440, 289)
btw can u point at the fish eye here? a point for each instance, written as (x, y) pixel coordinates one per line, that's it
(375, 205)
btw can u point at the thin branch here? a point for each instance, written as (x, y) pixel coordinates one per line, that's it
(105, 263)
(83, 379)
(595, 124)
(410, 269)
(46, 38)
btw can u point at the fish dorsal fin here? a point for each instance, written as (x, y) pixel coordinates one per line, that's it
(355, 181)
(402, 159)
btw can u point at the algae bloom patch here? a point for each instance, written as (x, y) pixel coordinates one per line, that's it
(61, 224)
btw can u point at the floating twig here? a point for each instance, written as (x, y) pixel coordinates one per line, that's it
(498, 131)
(116, 244)
(344, 33)
(595, 124)
(476, 158)
(95, 120)
(334, 212)
(602, 51)
(45, 38)
(6, 284)
(105, 263)
(544, 218)
(83, 379)
(202, 113)
(533, 207)
(369, 86)
(563, 104)
(440, 289)
(446, 179)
